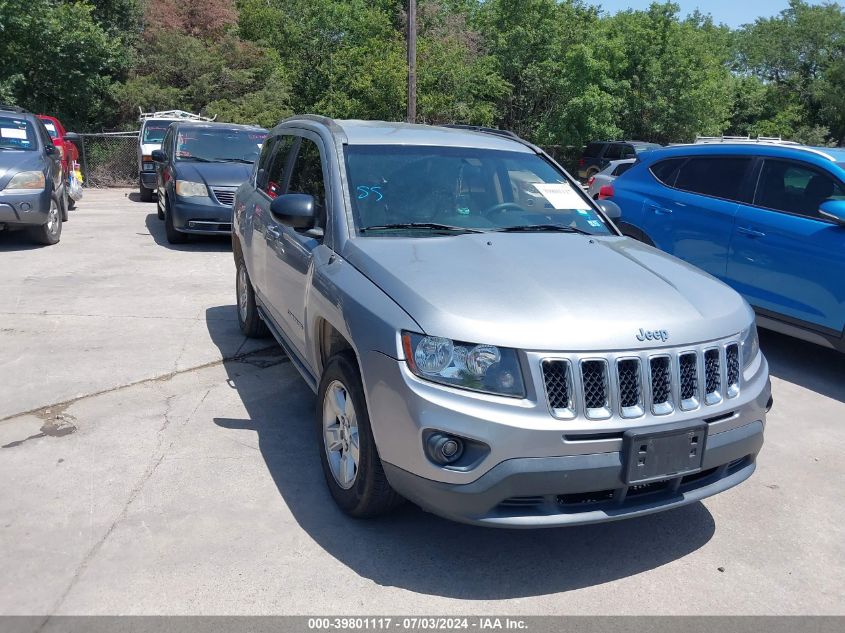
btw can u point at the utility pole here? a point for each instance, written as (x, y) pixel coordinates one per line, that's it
(412, 61)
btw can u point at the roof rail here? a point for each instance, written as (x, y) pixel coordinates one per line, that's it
(775, 140)
(13, 108)
(491, 130)
(173, 114)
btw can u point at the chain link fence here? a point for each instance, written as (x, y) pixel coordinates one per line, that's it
(109, 159)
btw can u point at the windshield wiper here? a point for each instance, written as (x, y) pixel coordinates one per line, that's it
(542, 228)
(200, 159)
(434, 226)
(234, 160)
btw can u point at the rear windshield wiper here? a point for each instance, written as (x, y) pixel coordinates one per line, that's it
(543, 228)
(434, 226)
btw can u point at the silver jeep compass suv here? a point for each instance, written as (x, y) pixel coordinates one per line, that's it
(481, 338)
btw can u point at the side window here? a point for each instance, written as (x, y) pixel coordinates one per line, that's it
(613, 152)
(795, 188)
(263, 162)
(628, 151)
(593, 150)
(46, 141)
(307, 174)
(621, 169)
(274, 184)
(717, 176)
(667, 170)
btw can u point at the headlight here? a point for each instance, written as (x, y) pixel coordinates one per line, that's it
(188, 189)
(27, 180)
(750, 345)
(483, 368)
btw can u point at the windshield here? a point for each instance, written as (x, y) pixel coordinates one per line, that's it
(16, 134)
(154, 131)
(219, 145)
(457, 187)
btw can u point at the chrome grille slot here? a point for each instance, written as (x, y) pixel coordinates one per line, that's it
(630, 387)
(224, 197)
(594, 386)
(661, 385)
(712, 377)
(688, 380)
(732, 369)
(558, 381)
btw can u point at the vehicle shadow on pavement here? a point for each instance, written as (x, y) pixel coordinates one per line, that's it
(18, 241)
(209, 243)
(420, 552)
(811, 366)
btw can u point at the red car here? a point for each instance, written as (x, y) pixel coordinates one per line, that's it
(61, 139)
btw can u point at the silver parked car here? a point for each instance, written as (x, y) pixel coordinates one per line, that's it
(481, 338)
(607, 175)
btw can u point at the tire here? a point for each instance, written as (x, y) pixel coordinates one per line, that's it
(51, 232)
(360, 488)
(146, 194)
(71, 203)
(249, 320)
(158, 208)
(65, 204)
(173, 236)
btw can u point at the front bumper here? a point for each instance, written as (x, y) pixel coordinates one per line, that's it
(148, 179)
(201, 218)
(579, 489)
(24, 208)
(541, 471)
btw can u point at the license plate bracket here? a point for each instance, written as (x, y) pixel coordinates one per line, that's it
(655, 455)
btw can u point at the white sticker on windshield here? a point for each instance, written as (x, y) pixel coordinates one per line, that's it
(561, 195)
(10, 132)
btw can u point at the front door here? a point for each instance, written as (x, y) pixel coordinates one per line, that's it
(289, 252)
(784, 257)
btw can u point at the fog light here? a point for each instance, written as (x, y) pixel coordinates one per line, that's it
(25, 206)
(444, 449)
(192, 225)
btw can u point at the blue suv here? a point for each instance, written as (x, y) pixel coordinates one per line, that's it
(767, 218)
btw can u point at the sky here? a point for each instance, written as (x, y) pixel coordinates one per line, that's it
(731, 12)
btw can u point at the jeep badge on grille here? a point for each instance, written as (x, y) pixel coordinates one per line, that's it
(653, 335)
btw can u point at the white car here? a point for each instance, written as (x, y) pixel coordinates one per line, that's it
(607, 175)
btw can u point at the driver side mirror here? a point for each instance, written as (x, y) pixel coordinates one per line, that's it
(50, 149)
(296, 210)
(833, 210)
(610, 208)
(158, 156)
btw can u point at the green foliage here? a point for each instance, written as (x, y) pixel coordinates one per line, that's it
(55, 57)
(558, 72)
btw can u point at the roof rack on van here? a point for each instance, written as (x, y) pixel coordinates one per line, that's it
(173, 114)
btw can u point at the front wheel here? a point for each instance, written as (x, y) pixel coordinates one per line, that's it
(173, 236)
(50, 232)
(350, 459)
(65, 204)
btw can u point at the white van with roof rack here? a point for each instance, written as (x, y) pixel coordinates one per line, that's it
(153, 127)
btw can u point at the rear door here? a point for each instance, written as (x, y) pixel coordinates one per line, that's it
(692, 216)
(785, 258)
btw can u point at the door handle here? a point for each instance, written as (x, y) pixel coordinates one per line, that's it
(750, 232)
(662, 211)
(274, 233)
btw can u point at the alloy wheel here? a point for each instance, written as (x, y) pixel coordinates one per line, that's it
(340, 434)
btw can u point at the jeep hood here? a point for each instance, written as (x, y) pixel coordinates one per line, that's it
(553, 292)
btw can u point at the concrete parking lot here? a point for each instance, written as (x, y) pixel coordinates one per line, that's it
(153, 461)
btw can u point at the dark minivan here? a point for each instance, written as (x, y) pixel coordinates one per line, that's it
(198, 169)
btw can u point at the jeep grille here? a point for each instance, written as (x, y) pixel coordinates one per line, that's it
(630, 385)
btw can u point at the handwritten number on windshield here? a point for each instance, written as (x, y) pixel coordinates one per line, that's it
(365, 192)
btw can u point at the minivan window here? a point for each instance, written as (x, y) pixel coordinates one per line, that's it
(717, 176)
(794, 188)
(466, 187)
